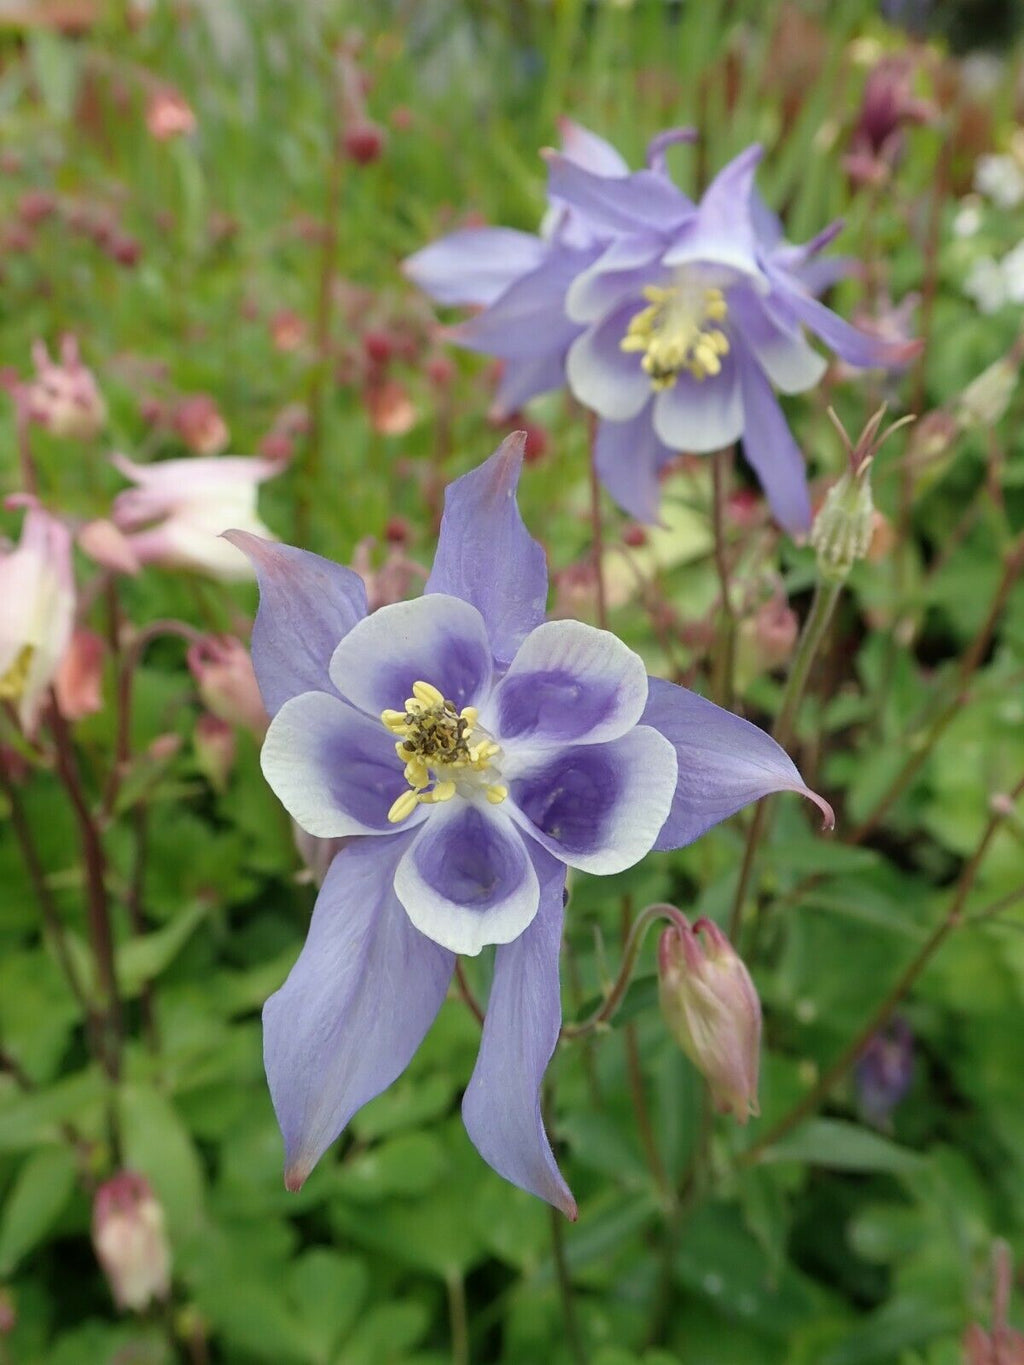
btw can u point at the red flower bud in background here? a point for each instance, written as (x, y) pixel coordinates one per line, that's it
(215, 749)
(712, 1010)
(79, 678)
(130, 1241)
(222, 668)
(169, 115)
(198, 422)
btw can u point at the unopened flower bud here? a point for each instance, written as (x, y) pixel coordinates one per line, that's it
(985, 400)
(884, 1072)
(169, 115)
(79, 678)
(712, 1010)
(64, 396)
(842, 530)
(130, 1240)
(215, 749)
(198, 422)
(364, 143)
(8, 1312)
(222, 668)
(109, 547)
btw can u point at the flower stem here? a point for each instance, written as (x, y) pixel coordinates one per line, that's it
(465, 990)
(953, 919)
(826, 595)
(725, 647)
(634, 942)
(458, 1318)
(569, 1319)
(597, 533)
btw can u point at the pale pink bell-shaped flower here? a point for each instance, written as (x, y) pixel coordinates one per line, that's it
(713, 1012)
(64, 396)
(37, 609)
(130, 1241)
(178, 508)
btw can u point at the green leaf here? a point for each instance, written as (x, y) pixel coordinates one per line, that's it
(142, 959)
(38, 1197)
(843, 1146)
(55, 67)
(328, 1290)
(158, 1144)
(28, 1119)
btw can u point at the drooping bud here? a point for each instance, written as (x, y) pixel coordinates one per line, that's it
(197, 420)
(884, 1072)
(130, 1241)
(985, 400)
(79, 678)
(107, 546)
(712, 1010)
(1001, 1346)
(222, 668)
(215, 748)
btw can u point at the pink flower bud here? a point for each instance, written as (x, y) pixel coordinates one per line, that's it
(108, 547)
(8, 1312)
(227, 685)
(79, 678)
(364, 142)
(130, 1241)
(64, 397)
(169, 115)
(198, 422)
(215, 748)
(390, 408)
(712, 1010)
(287, 330)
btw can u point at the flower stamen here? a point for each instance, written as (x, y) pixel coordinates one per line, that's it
(673, 333)
(12, 682)
(443, 750)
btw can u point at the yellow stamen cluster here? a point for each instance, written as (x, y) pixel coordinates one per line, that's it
(442, 749)
(12, 683)
(673, 335)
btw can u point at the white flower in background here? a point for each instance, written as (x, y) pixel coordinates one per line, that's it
(1000, 177)
(986, 284)
(1012, 267)
(967, 219)
(177, 510)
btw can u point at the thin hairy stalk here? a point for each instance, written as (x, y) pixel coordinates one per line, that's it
(466, 992)
(725, 644)
(953, 919)
(573, 1338)
(44, 896)
(826, 595)
(323, 311)
(637, 1093)
(993, 911)
(101, 935)
(1012, 567)
(597, 534)
(605, 1012)
(458, 1318)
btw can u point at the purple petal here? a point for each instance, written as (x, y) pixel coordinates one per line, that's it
(525, 377)
(355, 1007)
(628, 203)
(603, 376)
(771, 450)
(474, 265)
(466, 880)
(661, 142)
(723, 229)
(437, 639)
(699, 415)
(530, 310)
(629, 457)
(598, 807)
(307, 604)
(501, 1106)
(568, 682)
(588, 150)
(486, 556)
(854, 346)
(790, 362)
(619, 273)
(724, 763)
(333, 769)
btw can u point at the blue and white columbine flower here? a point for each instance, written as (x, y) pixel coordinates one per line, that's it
(674, 322)
(468, 752)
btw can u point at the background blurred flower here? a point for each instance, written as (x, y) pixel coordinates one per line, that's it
(222, 668)
(78, 682)
(169, 114)
(885, 1071)
(129, 1236)
(64, 396)
(37, 610)
(177, 510)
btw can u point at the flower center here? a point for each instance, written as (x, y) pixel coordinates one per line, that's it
(12, 683)
(673, 332)
(444, 751)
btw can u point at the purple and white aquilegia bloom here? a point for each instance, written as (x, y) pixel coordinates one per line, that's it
(675, 322)
(468, 752)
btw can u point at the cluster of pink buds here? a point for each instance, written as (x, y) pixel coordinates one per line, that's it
(712, 1010)
(130, 1240)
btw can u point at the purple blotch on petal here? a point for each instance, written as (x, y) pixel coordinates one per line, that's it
(501, 1107)
(307, 604)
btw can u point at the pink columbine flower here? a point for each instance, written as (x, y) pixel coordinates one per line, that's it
(178, 508)
(63, 396)
(130, 1240)
(37, 609)
(169, 115)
